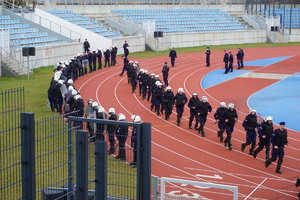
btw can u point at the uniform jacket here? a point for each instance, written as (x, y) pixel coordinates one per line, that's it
(220, 114)
(203, 108)
(168, 98)
(193, 102)
(279, 138)
(226, 58)
(180, 100)
(250, 122)
(230, 115)
(266, 129)
(173, 54)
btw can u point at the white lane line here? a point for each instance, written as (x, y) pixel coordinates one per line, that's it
(255, 189)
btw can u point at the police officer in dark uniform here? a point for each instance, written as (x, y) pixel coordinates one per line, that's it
(157, 97)
(90, 58)
(220, 118)
(107, 57)
(279, 140)
(121, 134)
(231, 59)
(132, 74)
(125, 65)
(297, 184)
(202, 109)
(226, 60)
(94, 59)
(85, 62)
(242, 58)
(193, 102)
(150, 85)
(230, 119)
(165, 72)
(250, 124)
(168, 100)
(239, 58)
(139, 79)
(111, 130)
(79, 108)
(144, 80)
(114, 55)
(86, 46)
(173, 56)
(265, 131)
(207, 53)
(135, 119)
(126, 49)
(180, 101)
(100, 128)
(99, 58)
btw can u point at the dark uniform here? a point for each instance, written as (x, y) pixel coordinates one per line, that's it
(106, 58)
(157, 94)
(134, 146)
(132, 77)
(231, 59)
(242, 58)
(94, 59)
(173, 56)
(99, 58)
(86, 46)
(265, 132)
(180, 101)
(193, 102)
(226, 60)
(79, 108)
(250, 124)
(220, 115)
(230, 119)
(121, 134)
(90, 58)
(100, 127)
(207, 57)
(111, 130)
(150, 85)
(239, 58)
(143, 84)
(165, 72)
(279, 140)
(113, 56)
(202, 109)
(126, 50)
(168, 100)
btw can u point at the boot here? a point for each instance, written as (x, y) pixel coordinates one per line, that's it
(151, 107)
(279, 162)
(255, 153)
(243, 146)
(229, 144)
(267, 154)
(190, 124)
(267, 163)
(178, 120)
(201, 131)
(226, 142)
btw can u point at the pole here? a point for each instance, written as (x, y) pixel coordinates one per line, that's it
(28, 68)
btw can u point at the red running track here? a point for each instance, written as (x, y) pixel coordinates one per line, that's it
(179, 152)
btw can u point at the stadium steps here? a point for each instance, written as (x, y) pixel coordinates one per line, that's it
(239, 16)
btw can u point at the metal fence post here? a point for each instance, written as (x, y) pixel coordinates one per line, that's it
(101, 170)
(70, 160)
(82, 165)
(28, 156)
(155, 186)
(144, 172)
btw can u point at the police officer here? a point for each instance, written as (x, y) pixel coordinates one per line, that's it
(297, 184)
(113, 56)
(239, 58)
(86, 45)
(230, 119)
(242, 58)
(130, 68)
(111, 130)
(279, 140)
(99, 58)
(157, 100)
(226, 60)
(193, 102)
(173, 56)
(94, 59)
(125, 65)
(150, 85)
(220, 118)
(121, 134)
(168, 100)
(135, 119)
(165, 72)
(139, 79)
(79, 108)
(265, 131)
(90, 58)
(180, 101)
(106, 57)
(250, 124)
(133, 78)
(126, 49)
(101, 114)
(144, 80)
(207, 53)
(202, 109)
(231, 59)
(85, 62)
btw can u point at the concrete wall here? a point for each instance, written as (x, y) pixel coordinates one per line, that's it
(136, 43)
(294, 37)
(94, 39)
(217, 38)
(52, 54)
(108, 8)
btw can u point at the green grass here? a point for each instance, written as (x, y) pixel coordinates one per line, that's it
(151, 54)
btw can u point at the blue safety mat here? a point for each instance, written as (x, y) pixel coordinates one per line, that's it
(280, 100)
(216, 77)
(265, 62)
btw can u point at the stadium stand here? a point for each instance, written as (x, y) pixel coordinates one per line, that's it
(86, 22)
(24, 35)
(285, 15)
(184, 20)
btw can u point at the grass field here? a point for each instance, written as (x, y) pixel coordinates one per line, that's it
(36, 101)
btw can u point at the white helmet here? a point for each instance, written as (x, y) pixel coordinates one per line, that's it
(204, 99)
(146, 71)
(60, 82)
(74, 92)
(100, 109)
(195, 94)
(268, 118)
(168, 88)
(98, 48)
(131, 61)
(111, 110)
(252, 110)
(159, 84)
(222, 104)
(136, 62)
(121, 117)
(70, 88)
(231, 105)
(180, 90)
(142, 71)
(77, 97)
(70, 81)
(95, 104)
(136, 118)
(89, 101)
(152, 74)
(115, 45)
(156, 76)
